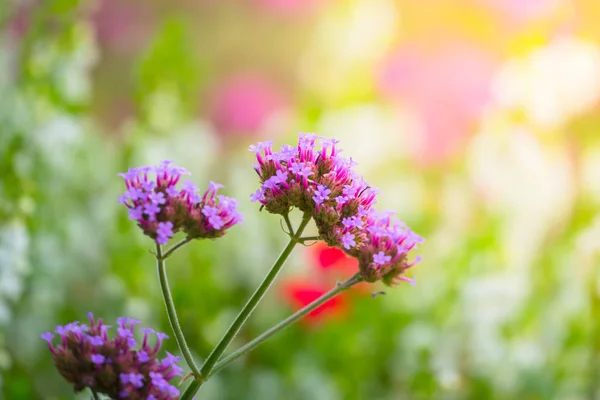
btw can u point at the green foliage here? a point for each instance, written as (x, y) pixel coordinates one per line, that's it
(170, 64)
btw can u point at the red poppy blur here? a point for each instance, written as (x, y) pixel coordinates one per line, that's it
(329, 265)
(301, 293)
(332, 260)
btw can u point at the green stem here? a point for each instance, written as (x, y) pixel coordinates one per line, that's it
(309, 238)
(177, 245)
(248, 308)
(95, 395)
(191, 390)
(339, 288)
(166, 292)
(289, 224)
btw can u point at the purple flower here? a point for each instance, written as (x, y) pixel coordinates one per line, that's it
(328, 144)
(259, 195)
(260, 146)
(209, 211)
(307, 139)
(148, 186)
(313, 177)
(95, 340)
(164, 232)
(137, 380)
(97, 358)
(321, 181)
(143, 356)
(212, 190)
(161, 209)
(127, 375)
(171, 191)
(170, 359)
(281, 176)
(157, 198)
(134, 193)
(380, 258)
(147, 332)
(190, 187)
(215, 222)
(151, 209)
(159, 339)
(352, 222)
(271, 183)
(321, 194)
(387, 242)
(348, 240)
(157, 379)
(136, 213)
(130, 176)
(288, 152)
(217, 214)
(301, 169)
(47, 336)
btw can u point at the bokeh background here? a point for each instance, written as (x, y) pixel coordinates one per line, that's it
(478, 119)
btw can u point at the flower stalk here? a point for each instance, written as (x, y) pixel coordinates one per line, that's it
(339, 288)
(309, 239)
(224, 362)
(176, 246)
(288, 223)
(172, 314)
(248, 307)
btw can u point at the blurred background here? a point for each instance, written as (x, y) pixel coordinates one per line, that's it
(478, 119)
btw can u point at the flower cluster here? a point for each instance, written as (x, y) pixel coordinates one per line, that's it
(86, 357)
(385, 244)
(161, 208)
(317, 180)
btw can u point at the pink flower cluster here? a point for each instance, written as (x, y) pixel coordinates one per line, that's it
(88, 358)
(161, 208)
(314, 178)
(385, 244)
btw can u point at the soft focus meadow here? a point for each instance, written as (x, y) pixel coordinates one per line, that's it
(479, 120)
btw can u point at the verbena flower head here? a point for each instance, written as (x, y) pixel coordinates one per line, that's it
(162, 207)
(382, 249)
(118, 367)
(313, 177)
